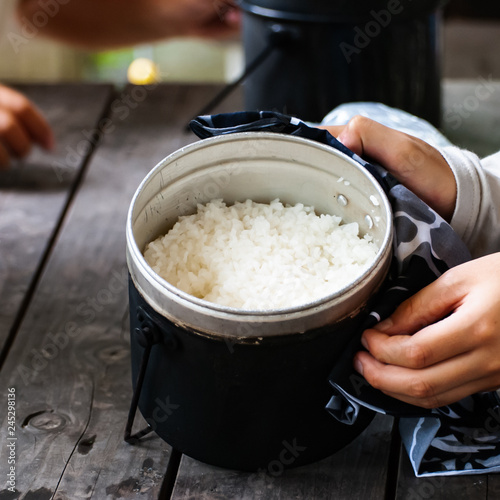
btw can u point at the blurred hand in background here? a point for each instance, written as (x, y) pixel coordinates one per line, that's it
(21, 126)
(103, 24)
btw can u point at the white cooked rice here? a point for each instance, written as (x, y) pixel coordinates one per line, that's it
(258, 256)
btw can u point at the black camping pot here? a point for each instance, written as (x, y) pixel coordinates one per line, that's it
(316, 54)
(237, 388)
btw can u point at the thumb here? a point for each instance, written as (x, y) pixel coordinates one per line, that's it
(368, 138)
(429, 305)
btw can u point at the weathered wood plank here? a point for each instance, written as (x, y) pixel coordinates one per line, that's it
(493, 486)
(33, 193)
(70, 361)
(359, 471)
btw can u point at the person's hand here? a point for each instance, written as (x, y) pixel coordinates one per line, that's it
(442, 344)
(416, 164)
(21, 125)
(205, 18)
(99, 24)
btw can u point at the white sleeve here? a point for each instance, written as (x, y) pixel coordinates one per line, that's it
(477, 212)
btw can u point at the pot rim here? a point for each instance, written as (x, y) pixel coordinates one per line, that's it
(141, 271)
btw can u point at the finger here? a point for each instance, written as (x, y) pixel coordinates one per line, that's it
(372, 139)
(416, 164)
(37, 127)
(30, 118)
(449, 397)
(4, 157)
(13, 134)
(225, 23)
(369, 138)
(232, 16)
(428, 305)
(335, 130)
(422, 332)
(444, 339)
(432, 387)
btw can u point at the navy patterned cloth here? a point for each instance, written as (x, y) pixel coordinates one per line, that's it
(462, 438)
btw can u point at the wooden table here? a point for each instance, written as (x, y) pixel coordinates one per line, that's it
(64, 314)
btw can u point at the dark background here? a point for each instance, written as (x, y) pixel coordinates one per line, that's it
(484, 9)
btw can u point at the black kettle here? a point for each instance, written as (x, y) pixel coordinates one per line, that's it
(308, 56)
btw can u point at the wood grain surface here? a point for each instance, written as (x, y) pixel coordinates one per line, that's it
(69, 363)
(34, 192)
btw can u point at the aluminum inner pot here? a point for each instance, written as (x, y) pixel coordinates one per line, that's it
(259, 166)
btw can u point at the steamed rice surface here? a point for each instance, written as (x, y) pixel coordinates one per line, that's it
(258, 256)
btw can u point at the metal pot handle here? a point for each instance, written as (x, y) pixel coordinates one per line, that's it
(279, 36)
(148, 335)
